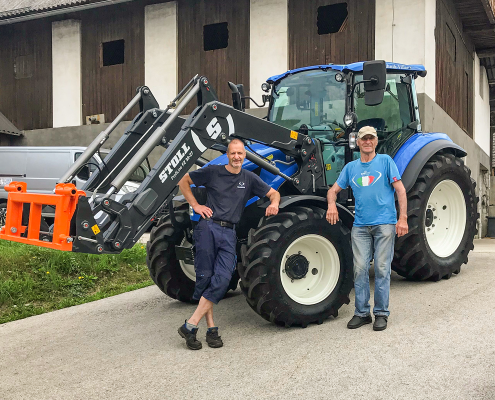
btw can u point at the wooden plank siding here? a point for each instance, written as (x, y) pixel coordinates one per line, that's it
(221, 65)
(26, 74)
(454, 71)
(355, 43)
(108, 89)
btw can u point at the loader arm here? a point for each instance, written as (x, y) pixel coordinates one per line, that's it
(210, 123)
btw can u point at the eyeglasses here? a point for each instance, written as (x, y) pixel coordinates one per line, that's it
(367, 139)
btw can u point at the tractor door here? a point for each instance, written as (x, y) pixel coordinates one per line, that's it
(394, 119)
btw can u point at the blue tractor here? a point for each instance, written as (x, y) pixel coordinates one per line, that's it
(295, 268)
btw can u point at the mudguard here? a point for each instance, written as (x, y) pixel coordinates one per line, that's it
(344, 214)
(416, 152)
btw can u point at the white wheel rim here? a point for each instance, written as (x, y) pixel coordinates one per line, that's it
(445, 218)
(188, 269)
(323, 273)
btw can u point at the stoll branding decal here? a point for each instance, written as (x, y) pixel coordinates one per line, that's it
(169, 168)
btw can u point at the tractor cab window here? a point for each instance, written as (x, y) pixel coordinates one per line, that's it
(312, 98)
(390, 118)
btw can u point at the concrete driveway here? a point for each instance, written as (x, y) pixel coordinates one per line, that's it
(440, 344)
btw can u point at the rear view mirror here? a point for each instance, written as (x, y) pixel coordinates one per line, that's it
(375, 79)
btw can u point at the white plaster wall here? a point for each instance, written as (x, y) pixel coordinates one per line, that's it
(481, 108)
(405, 33)
(66, 67)
(160, 51)
(269, 37)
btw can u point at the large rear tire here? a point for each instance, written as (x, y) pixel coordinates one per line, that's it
(297, 268)
(442, 214)
(174, 277)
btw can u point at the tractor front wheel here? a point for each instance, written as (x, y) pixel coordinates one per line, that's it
(442, 214)
(297, 268)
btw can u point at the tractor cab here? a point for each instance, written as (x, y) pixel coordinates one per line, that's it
(331, 103)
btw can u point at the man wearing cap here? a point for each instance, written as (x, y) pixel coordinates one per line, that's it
(229, 187)
(373, 179)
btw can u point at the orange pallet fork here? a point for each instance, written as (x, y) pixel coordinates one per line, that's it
(65, 201)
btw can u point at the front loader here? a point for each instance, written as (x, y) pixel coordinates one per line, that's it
(295, 268)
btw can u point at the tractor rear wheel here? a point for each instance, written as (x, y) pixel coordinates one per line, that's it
(442, 214)
(176, 278)
(297, 268)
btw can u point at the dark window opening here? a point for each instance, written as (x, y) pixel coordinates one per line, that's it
(113, 52)
(216, 36)
(332, 18)
(450, 43)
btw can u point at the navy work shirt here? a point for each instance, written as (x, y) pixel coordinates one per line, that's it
(228, 193)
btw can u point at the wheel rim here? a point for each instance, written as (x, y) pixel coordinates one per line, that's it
(3, 215)
(188, 269)
(322, 274)
(445, 218)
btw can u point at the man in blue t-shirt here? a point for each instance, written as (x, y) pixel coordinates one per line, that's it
(373, 179)
(229, 187)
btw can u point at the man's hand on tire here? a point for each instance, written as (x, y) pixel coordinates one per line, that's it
(332, 214)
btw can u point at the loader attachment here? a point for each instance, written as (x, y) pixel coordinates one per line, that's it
(64, 200)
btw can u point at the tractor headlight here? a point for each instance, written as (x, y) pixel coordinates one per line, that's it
(265, 87)
(339, 77)
(191, 211)
(349, 119)
(352, 140)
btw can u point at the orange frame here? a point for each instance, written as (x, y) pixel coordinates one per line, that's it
(65, 201)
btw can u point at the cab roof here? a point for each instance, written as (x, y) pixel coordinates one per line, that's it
(354, 67)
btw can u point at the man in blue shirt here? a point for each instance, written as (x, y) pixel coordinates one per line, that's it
(373, 179)
(229, 187)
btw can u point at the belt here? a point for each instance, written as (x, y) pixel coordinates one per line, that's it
(224, 223)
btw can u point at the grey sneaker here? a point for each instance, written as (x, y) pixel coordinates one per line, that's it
(213, 339)
(380, 323)
(190, 336)
(357, 321)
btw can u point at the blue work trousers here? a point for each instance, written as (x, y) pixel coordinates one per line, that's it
(215, 260)
(378, 242)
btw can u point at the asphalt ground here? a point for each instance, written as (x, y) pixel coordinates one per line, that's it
(440, 344)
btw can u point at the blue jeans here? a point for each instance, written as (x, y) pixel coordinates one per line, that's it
(372, 242)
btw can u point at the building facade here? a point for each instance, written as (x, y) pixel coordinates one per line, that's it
(64, 63)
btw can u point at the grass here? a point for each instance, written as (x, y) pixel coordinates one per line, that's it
(35, 280)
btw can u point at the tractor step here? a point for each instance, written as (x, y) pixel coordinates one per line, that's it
(64, 200)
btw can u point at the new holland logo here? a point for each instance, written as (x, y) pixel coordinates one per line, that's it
(169, 168)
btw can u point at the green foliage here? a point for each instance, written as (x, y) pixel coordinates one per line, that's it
(35, 280)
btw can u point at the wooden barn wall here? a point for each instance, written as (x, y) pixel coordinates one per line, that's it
(107, 90)
(26, 99)
(221, 65)
(454, 69)
(355, 43)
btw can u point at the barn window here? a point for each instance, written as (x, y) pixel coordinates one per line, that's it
(450, 43)
(216, 36)
(332, 18)
(24, 66)
(113, 52)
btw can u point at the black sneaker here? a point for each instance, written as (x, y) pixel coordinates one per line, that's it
(213, 339)
(190, 336)
(380, 323)
(357, 321)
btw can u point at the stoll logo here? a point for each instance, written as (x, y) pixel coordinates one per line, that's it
(168, 170)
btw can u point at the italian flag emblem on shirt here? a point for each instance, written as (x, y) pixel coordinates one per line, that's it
(365, 180)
